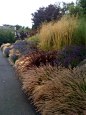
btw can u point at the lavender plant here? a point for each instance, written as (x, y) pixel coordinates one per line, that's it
(14, 57)
(71, 55)
(23, 47)
(20, 45)
(6, 51)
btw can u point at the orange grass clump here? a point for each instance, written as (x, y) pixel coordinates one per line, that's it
(56, 91)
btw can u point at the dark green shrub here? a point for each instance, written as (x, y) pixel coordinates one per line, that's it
(7, 36)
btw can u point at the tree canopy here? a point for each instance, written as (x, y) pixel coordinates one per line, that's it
(52, 12)
(7, 36)
(83, 5)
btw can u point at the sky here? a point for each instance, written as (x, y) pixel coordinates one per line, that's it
(15, 12)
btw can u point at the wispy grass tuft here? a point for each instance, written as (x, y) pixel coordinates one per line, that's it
(57, 91)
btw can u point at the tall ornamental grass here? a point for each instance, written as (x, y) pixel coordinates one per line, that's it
(56, 35)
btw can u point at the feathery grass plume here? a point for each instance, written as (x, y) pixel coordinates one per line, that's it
(56, 35)
(57, 91)
(36, 77)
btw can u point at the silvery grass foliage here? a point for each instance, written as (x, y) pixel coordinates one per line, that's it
(71, 55)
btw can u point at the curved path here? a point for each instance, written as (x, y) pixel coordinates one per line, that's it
(12, 99)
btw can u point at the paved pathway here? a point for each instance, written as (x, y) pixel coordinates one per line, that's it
(12, 99)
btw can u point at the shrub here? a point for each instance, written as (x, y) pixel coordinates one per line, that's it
(22, 47)
(71, 55)
(57, 91)
(6, 51)
(33, 40)
(14, 57)
(79, 33)
(14, 54)
(3, 46)
(7, 36)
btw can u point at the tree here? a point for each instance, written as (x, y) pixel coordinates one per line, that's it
(18, 27)
(83, 5)
(48, 13)
(22, 35)
(7, 36)
(72, 9)
(27, 29)
(64, 8)
(75, 9)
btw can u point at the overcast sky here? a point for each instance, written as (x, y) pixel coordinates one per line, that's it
(19, 11)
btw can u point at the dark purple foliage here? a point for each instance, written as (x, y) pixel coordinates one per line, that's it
(48, 13)
(23, 35)
(71, 55)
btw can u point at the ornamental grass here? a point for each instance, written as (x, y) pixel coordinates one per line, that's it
(56, 91)
(34, 59)
(56, 35)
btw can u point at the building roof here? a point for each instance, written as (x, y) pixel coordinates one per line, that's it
(7, 28)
